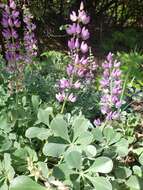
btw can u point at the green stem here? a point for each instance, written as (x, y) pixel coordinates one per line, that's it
(64, 103)
(65, 100)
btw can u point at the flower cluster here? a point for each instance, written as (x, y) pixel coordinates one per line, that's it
(111, 88)
(10, 22)
(30, 41)
(81, 68)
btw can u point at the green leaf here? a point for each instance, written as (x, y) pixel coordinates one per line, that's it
(122, 172)
(36, 132)
(100, 183)
(97, 134)
(7, 167)
(4, 125)
(53, 149)
(109, 133)
(85, 138)
(74, 159)
(135, 183)
(4, 187)
(138, 151)
(122, 147)
(141, 159)
(43, 169)
(25, 183)
(44, 115)
(5, 143)
(62, 171)
(35, 101)
(102, 165)
(137, 171)
(60, 127)
(90, 150)
(80, 124)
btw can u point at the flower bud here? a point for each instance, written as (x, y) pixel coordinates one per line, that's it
(84, 47)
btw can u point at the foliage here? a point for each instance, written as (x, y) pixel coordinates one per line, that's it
(124, 40)
(44, 148)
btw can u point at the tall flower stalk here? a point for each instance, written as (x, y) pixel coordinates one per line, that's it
(30, 42)
(80, 70)
(10, 22)
(111, 88)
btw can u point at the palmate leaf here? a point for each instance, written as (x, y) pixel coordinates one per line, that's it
(53, 149)
(44, 115)
(4, 187)
(122, 147)
(85, 138)
(90, 150)
(25, 183)
(122, 172)
(135, 183)
(60, 127)
(74, 159)
(137, 171)
(35, 101)
(100, 183)
(80, 125)
(36, 132)
(102, 165)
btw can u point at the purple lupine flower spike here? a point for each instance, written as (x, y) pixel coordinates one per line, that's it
(111, 88)
(81, 69)
(30, 41)
(10, 23)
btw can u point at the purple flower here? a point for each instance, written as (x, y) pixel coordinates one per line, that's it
(17, 23)
(73, 16)
(10, 22)
(104, 82)
(97, 122)
(84, 61)
(30, 41)
(110, 57)
(83, 17)
(77, 85)
(71, 29)
(70, 69)
(12, 4)
(15, 14)
(85, 33)
(77, 43)
(4, 22)
(116, 64)
(64, 83)
(118, 104)
(80, 70)
(72, 98)
(6, 34)
(60, 96)
(84, 47)
(115, 115)
(111, 88)
(71, 44)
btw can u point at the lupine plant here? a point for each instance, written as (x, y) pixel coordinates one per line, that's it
(81, 69)
(111, 88)
(66, 151)
(10, 22)
(16, 58)
(30, 42)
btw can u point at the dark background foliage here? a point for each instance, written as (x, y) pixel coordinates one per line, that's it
(113, 21)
